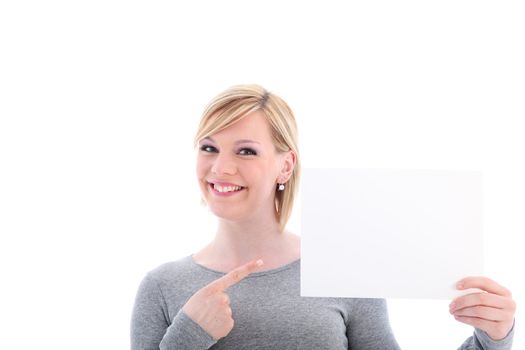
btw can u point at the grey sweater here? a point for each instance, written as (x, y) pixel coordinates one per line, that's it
(269, 313)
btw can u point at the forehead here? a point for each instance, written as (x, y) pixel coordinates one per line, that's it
(253, 127)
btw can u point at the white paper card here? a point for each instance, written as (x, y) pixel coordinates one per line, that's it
(374, 233)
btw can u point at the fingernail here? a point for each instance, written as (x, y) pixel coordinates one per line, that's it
(259, 262)
(452, 306)
(460, 285)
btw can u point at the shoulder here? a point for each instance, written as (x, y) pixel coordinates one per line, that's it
(370, 303)
(178, 278)
(364, 307)
(166, 280)
(176, 270)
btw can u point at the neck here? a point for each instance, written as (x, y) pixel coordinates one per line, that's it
(249, 240)
(237, 242)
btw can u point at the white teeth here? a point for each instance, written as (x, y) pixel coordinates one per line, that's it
(226, 188)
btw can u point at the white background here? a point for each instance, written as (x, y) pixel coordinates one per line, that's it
(99, 102)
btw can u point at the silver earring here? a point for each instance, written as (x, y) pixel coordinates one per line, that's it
(281, 187)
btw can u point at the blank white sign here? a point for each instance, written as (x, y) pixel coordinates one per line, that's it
(375, 233)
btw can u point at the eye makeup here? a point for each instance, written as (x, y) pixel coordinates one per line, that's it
(210, 149)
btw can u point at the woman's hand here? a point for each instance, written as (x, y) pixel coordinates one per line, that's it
(210, 308)
(491, 310)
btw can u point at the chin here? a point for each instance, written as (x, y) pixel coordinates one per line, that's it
(229, 214)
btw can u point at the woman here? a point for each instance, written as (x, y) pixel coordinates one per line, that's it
(241, 291)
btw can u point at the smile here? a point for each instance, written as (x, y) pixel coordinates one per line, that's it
(225, 190)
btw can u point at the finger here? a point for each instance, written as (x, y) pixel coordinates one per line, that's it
(219, 299)
(475, 299)
(483, 312)
(485, 284)
(234, 276)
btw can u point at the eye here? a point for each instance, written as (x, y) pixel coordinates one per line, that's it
(208, 148)
(250, 151)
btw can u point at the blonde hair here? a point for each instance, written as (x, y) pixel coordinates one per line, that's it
(237, 102)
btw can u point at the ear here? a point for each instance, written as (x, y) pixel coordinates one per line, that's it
(289, 161)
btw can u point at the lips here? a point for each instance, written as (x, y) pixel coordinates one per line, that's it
(223, 183)
(226, 187)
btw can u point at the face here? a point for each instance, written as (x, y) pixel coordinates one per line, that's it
(238, 169)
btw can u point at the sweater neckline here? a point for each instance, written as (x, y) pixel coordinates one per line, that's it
(253, 274)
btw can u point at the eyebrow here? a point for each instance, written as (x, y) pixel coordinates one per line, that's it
(236, 142)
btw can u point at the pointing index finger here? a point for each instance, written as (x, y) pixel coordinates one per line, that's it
(235, 276)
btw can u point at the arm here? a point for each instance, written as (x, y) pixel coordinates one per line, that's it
(491, 312)
(151, 328)
(369, 327)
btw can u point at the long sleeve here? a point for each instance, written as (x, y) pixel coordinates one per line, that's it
(480, 340)
(151, 327)
(369, 327)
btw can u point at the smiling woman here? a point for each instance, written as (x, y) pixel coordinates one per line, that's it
(244, 171)
(254, 140)
(242, 290)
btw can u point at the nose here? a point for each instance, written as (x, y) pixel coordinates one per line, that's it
(224, 165)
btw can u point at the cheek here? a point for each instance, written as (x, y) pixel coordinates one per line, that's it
(201, 168)
(198, 171)
(263, 178)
